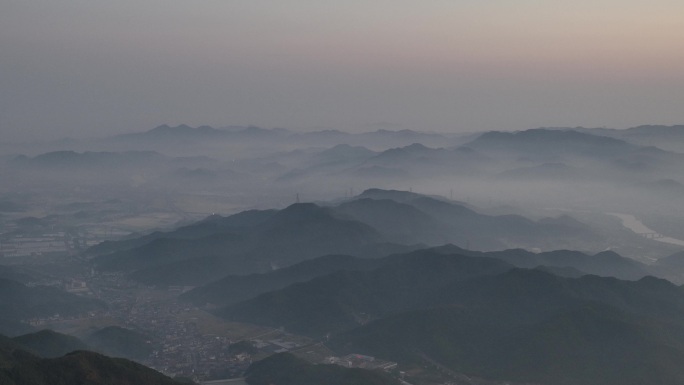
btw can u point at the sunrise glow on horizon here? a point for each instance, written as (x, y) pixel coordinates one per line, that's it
(440, 65)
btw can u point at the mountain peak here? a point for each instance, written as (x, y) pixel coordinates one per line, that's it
(182, 129)
(302, 211)
(378, 193)
(542, 135)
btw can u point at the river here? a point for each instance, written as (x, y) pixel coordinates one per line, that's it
(632, 223)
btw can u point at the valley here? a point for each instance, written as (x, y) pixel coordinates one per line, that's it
(410, 265)
(341, 193)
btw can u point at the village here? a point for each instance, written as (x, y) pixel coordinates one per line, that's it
(187, 341)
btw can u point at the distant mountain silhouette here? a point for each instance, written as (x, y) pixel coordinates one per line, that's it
(550, 143)
(586, 155)
(50, 344)
(343, 154)
(374, 139)
(419, 161)
(326, 163)
(184, 133)
(668, 138)
(395, 195)
(183, 129)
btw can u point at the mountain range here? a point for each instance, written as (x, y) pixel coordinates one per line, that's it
(483, 317)
(299, 232)
(373, 224)
(19, 367)
(502, 165)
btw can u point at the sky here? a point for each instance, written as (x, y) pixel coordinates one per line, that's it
(90, 68)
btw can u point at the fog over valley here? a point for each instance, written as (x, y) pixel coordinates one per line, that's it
(424, 258)
(341, 192)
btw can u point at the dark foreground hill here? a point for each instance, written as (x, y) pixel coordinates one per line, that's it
(286, 369)
(338, 297)
(120, 342)
(345, 299)
(530, 326)
(483, 317)
(235, 288)
(589, 345)
(50, 344)
(19, 367)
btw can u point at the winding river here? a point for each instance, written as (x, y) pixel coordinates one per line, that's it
(632, 223)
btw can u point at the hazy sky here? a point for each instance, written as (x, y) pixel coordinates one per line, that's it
(92, 67)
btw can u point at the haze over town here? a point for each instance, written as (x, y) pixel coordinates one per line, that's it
(367, 193)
